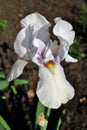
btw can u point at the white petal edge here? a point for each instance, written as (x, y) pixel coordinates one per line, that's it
(57, 19)
(53, 90)
(64, 30)
(69, 58)
(35, 19)
(22, 41)
(17, 69)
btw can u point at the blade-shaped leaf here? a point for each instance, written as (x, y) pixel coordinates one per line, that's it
(14, 90)
(40, 109)
(4, 123)
(4, 84)
(20, 82)
(1, 127)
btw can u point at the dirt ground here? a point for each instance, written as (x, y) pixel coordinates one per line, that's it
(19, 112)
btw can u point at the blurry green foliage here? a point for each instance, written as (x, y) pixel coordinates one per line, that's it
(47, 111)
(74, 50)
(39, 110)
(3, 25)
(83, 16)
(2, 75)
(3, 124)
(60, 119)
(5, 84)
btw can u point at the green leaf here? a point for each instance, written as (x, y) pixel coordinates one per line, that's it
(59, 123)
(1, 127)
(4, 84)
(48, 113)
(2, 75)
(4, 123)
(20, 82)
(3, 25)
(43, 128)
(83, 16)
(60, 119)
(81, 55)
(14, 90)
(74, 50)
(3, 97)
(40, 109)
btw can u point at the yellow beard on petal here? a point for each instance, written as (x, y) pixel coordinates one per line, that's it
(50, 66)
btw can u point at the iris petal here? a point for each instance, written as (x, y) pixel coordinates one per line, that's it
(53, 89)
(69, 58)
(35, 19)
(22, 44)
(17, 69)
(63, 30)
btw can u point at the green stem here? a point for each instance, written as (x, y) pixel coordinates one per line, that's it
(48, 113)
(43, 128)
(14, 90)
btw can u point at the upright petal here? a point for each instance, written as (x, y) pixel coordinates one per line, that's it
(35, 19)
(23, 44)
(57, 19)
(43, 53)
(54, 47)
(17, 69)
(43, 34)
(61, 54)
(64, 31)
(53, 89)
(37, 58)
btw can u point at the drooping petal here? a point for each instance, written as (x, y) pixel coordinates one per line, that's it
(17, 69)
(63, 54)
(64, 31)
(69, 58)
(53, 89)
(35, 19)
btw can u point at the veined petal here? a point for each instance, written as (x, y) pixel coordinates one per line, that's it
(69, 58)
(39, 45)
(48, 56)
(35, 19)
(37, 58)
(53, 89)
(17, 69)
(54, 47)
(64, 31)
(43, 54)
(61, 54)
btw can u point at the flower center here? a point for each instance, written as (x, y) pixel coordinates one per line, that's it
(50, 66)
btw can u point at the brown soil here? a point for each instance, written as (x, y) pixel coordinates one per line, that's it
(19, 111)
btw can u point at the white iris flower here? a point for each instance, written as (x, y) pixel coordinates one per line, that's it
(33, 43)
